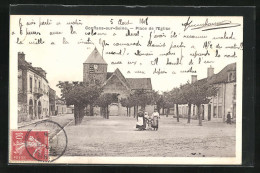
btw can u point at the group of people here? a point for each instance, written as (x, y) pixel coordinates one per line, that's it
(146, 121)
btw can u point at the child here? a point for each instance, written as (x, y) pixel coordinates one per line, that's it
(155, 117)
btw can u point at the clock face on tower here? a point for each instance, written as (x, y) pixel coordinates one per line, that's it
(95, 66)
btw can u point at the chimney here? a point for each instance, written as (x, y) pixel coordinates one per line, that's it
(210, 71)
(193, 78)
(21, 55)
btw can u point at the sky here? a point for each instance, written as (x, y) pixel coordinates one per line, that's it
(64, 62)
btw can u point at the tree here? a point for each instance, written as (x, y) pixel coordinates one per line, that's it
(128, 103)
(167, 102)
(185, 93)
(201, 93)
(104, 101)
(80, 95)
(157, 100)
(141, 98)
(175, 97)
(144, 97)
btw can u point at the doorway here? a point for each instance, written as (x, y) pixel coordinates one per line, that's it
(35, 109)
(31, 109)
(113, 109)
(39, 110)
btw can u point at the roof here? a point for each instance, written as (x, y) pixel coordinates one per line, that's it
(109, 74)
(118, 73)
(131, 83)
(40, 69)
(23, 64)
(95, 58)
(222, 76)
(120, 76)
(140, 83)
(201, 81)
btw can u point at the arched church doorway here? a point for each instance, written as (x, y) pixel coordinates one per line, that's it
(113, 109)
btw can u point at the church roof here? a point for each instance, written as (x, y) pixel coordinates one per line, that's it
(109, 74)
(131, 83)
(121, 77)
(140, 83)
(95, 58)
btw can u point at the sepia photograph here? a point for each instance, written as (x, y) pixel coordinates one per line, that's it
(97, 89)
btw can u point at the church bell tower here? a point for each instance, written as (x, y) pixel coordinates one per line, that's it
(95, 68)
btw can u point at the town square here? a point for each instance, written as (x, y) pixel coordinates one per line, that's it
(133, 89)
(112, 130)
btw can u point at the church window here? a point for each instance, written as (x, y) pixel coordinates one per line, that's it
(91, 69)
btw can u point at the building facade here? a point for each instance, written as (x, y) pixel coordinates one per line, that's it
(61, 107)
(95, 70)
(223, 102)
(33, 91)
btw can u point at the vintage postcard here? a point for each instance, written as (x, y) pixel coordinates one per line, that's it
(99, 89)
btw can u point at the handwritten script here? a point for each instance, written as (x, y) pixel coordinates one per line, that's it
(140, 46)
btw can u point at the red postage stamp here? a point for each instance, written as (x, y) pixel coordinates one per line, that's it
(29, 145)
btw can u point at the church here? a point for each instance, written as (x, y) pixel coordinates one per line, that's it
(95, 69)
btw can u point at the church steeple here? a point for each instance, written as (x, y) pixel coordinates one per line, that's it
(95, 57)
(94, 68)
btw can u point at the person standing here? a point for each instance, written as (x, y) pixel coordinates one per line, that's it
(140, 120)
(146, 116)
(228, 118)
(155, 117)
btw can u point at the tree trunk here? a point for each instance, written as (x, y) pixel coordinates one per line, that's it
(168, 111)
(127, 111)
(130, 112)
(103, 112)
(134, 111)
(158, 108)
(107, 112)
(189, 112)
(78, 114)
(137, 112)
(81, 114)
(177, 112)
(163, 110)
(200, 120)
(91, 110)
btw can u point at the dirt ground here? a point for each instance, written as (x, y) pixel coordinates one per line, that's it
(117, 136)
